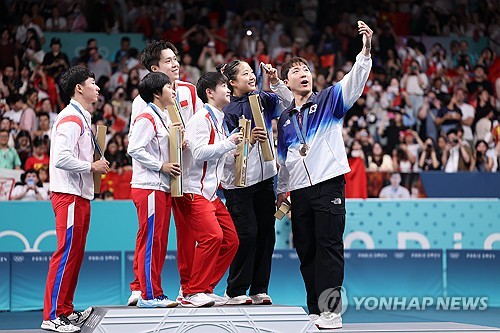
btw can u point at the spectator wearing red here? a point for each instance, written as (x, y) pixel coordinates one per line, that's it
(40, 157)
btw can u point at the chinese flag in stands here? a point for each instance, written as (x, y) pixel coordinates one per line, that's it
(356, 184)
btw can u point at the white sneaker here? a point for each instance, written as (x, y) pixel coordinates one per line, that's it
(239, 300)
(329, 320)
(77, 318)
(161, 301)
(261, 299)
(313, 317)
(60, 324)
(197, 300)
(219, 300)
(134, 297)
(180, 296)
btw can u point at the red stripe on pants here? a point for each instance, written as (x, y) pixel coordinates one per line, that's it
(68, 274)
(213, 229)
(162, 206)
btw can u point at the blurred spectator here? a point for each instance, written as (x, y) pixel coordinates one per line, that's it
(378, 161)
(31, 98)
(21, 114)
(390, 128)
(56, 22)
(114, 156)
(9, 159)
(402, 160)
(479, 83)
(7, 55)
(77, 21)
(394, 190)
(33, 54)
(209, 58)
(414, 82)
(483, 163)
(122, 54)
(428, 114)
(456, 156)
(188, 72)
(449, 116)
(40, 156)
(44, 126)
(97, 64)
(22, 30)
(43, 176)
(55, 62)
(485, 114)
(30, 188)
(467, 112)
(23, 146)
(429, 159)
(5, 124)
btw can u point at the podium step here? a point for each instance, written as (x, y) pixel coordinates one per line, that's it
(231, 319)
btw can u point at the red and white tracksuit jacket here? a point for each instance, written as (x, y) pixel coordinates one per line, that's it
(189, 103)
(210, 243)
(72, 186)
(149, 149)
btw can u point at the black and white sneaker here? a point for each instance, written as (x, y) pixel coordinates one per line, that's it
(77, 318)
(60, 324)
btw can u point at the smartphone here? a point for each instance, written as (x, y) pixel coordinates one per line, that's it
(264, 68)
(30, 182)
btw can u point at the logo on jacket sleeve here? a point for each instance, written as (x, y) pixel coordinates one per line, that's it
(184, 103)
(313, 108)
(287, 122)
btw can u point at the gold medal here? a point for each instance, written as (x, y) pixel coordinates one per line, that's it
(303, 149)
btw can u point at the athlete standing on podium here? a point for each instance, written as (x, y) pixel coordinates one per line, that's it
(72, 186)
(161, 56)
(253, 206)
(151, 172)
(313, 162)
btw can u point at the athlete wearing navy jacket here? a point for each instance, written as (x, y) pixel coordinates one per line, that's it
(252, 207)
(313, 162)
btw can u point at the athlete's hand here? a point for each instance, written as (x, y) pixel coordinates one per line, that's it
(100, 166)
(258, 134)
(172, 169)
(272, 73)
(282, 198)
(236, 138)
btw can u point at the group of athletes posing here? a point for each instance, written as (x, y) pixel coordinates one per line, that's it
(211, 236)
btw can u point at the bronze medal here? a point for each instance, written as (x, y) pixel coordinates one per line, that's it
(303, 149)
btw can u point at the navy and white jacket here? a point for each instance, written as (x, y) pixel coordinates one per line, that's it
(326, 157)
(273, 105)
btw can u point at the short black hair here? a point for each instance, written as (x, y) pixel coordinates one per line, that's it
(152, 53)
(73, 76)
(152, 84)
(209, 80)
(285, 68)
(42, 114)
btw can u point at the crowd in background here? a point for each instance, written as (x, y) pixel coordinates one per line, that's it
(424, 108)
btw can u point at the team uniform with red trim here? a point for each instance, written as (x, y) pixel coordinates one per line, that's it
(72, 187)
(149, 149)
(189, 104)
(205, 215)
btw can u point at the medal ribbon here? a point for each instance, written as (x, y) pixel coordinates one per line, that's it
(94, 139)
(301, 132)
